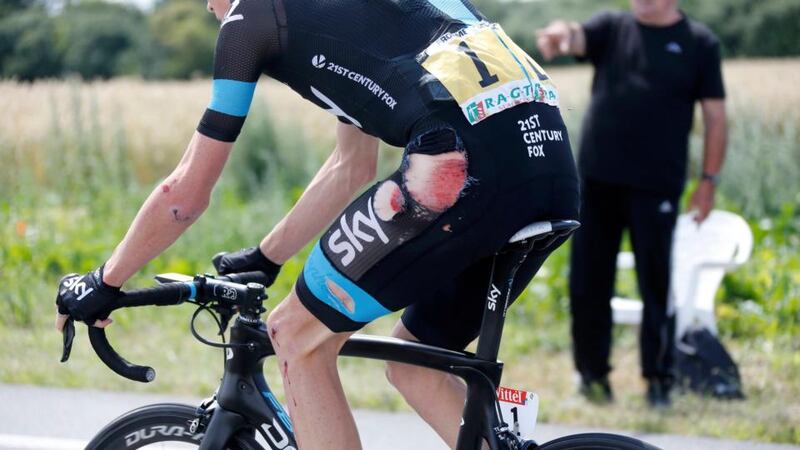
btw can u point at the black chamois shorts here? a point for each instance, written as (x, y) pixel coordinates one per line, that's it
(423, 238)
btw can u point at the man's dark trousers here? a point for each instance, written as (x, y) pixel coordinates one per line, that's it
(606, 211)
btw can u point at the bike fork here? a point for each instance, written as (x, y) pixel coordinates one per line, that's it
(224, 424)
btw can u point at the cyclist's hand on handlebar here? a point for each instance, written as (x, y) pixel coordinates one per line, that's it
(246, 260)
(85, 298)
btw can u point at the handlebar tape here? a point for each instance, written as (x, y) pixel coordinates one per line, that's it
(107, 354)
(169, 294)
(165, 295)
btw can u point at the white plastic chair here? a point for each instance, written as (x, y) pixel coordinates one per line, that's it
(700, 257)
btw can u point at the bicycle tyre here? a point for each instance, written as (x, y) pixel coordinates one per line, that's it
(156, 424)
(596, 441)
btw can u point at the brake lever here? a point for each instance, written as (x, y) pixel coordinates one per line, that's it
(69, 335)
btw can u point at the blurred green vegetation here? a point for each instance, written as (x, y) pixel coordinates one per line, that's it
(53, 223)
(101, 39)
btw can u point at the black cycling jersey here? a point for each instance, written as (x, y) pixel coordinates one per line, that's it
(362, 61)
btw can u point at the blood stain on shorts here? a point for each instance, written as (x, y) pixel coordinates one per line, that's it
(388, 201)
(436, 181)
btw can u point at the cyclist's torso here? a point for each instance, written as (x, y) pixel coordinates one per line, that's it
(382, 65)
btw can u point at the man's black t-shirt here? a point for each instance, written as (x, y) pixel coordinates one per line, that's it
(646, 82)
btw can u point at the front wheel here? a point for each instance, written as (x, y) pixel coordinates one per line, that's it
(596, 441)
(159, 426)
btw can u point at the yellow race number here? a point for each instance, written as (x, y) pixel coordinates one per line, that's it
(486, 72)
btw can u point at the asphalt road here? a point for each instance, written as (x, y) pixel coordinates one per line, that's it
(35, 418)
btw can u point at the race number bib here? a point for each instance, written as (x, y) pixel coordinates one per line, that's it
(486, 72)
(520, 409)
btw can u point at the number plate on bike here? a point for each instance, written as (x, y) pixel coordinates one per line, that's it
(520, 409)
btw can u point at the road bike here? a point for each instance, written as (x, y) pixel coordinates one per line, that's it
(243, 406)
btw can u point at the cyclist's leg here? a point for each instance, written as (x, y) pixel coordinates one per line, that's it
(451, 320)
(307, 352)
(438, 397)
(394, 226)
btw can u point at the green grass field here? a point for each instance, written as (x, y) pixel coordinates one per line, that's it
(78, 160)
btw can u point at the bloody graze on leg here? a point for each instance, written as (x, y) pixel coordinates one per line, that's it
(273, 336)
(436, 181)
(341, 295)
(389, 200)
(288, 382)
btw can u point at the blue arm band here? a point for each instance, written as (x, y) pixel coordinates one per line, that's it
(232, 97)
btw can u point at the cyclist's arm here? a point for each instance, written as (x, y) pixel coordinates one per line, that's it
(243, 47)
(170, 208)
(351, 165)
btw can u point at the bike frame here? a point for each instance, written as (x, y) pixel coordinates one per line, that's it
(245, 401)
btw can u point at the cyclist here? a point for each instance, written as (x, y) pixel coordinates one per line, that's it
(486, 153)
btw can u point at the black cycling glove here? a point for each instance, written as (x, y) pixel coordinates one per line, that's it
(247, 260)
(86, 297)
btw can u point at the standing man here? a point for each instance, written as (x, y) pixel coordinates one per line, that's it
(651, 65)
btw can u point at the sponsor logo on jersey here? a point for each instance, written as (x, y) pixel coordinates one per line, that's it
(508, 96)
(320, 62)
(348, 240)
(475, 112)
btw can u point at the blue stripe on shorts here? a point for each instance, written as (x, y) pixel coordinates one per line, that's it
(318, 271)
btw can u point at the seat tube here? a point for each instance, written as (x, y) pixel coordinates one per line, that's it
(504, 268)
